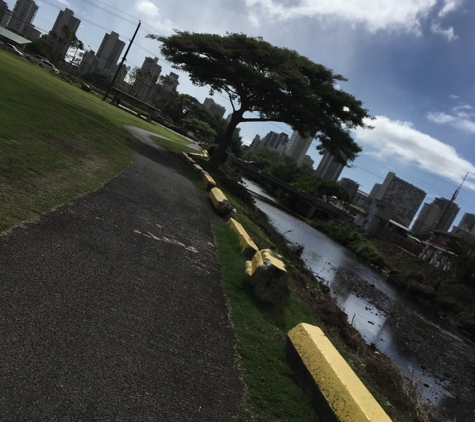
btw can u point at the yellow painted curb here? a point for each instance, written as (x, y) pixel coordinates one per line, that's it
(197, 168)
(263, 257)
(248, 246)
(219, 201)
(341, 396)
(208, 180)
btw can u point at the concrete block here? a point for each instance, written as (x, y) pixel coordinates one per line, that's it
(339, 394)
(268, 277)
(208, 180)
(197, 168)
(220, 203)
(248, 247)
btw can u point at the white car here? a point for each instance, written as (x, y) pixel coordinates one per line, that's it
(12, 48)
(45, 64)
(34, 58)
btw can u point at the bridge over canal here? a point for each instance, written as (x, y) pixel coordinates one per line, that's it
(306, 205)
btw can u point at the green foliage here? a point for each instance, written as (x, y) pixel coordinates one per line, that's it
(277, 83)
(286, 169)
(200, 129)
(464, 259)
(352, 236)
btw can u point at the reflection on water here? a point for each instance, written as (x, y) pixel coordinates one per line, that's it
(379, 321)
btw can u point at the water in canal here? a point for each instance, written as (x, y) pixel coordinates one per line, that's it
(421, 343)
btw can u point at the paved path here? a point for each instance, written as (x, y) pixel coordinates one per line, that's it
(112, 308)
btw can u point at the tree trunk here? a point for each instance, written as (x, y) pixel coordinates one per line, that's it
(219, 154)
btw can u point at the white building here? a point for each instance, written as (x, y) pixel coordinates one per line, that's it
(297, 147)
(109, 52)
(64, 19)
(150, 71)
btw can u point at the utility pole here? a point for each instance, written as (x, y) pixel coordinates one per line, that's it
(122, 62)
(454, 196)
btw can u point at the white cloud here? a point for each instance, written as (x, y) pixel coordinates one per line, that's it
(400, 140)
(150, 13)
(65, 2)
(448, 33)
(375, 15)
(461, 117)
(450, 6)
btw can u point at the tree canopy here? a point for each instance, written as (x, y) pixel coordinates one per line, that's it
(273, 83)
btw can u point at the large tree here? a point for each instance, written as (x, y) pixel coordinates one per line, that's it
(275, 84)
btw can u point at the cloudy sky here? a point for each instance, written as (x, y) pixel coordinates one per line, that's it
(411, 62)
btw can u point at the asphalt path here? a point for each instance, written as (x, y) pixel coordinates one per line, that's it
(112, 307)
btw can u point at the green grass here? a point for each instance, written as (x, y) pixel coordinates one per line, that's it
(274, 392)
(172, 135)
(57, 142)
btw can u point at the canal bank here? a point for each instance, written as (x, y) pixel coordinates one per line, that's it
(422, 345)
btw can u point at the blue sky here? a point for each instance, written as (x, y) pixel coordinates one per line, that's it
(411, 62)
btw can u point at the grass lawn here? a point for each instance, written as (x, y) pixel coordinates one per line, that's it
(57, 142)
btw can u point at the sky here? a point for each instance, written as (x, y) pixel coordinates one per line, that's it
(411, 63)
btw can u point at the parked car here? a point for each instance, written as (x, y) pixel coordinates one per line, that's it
(12, 48)
(45, 64)
(34, 58)
(86, 87)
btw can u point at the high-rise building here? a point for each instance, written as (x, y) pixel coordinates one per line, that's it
(214, 107)
(144, 85)
(275, 141)
(467, 223)
(308, 161)
(350, 185)
(297, 147)
(439, 215)
(329, 168)
(5, 14)
(23, 13)
(109, 52)
(405, 197)
(65, 27)
(170, 82)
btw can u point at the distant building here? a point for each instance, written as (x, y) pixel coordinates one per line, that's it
(439, 215)
(405, 197)
(361, 200)
(170, 82)
(109, 52)
(23, 14)
(329, 169)
(65, 25)
(213, 107)
(467, 224)
(5, 14)
(30, 32)
(273, 141)
(150, 71)
(297, 147)
(307, 161)
(350, 185)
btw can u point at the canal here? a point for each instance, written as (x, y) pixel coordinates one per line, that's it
(422, 344)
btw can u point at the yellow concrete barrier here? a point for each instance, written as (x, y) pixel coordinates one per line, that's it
(185, 156)
(220, 202)
(248, 247)
(268, 277)
(264, 257)
(339, 393)
(197, 168)
(208, 180)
